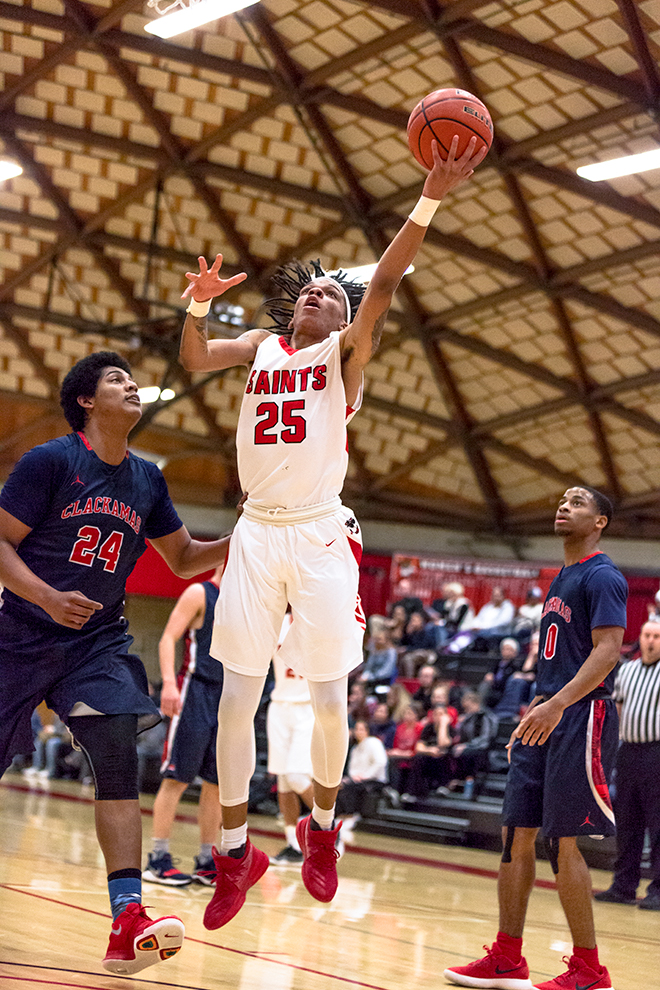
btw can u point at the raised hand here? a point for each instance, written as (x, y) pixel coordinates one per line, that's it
(448, 173)
(207, 283)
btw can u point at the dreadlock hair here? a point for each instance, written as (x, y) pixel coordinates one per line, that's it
(292, 277)
(82, 379)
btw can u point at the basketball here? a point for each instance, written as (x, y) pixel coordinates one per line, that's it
(441, 115)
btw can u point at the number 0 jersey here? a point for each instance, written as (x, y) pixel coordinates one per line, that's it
(291, 437)
(591, 593)
(89, 523)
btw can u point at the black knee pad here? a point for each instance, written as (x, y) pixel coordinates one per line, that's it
(110, 744)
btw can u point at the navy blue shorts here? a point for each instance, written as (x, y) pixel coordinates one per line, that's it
(73, 665)
(190, 744)
(561, 787)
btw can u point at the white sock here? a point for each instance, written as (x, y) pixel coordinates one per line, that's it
(160, 846)
(322, 817)
(290, 833)
(233, 838)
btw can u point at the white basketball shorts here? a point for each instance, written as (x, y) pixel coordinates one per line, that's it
(312, 565)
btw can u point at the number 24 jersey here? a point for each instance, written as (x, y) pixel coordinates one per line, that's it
(89, 523)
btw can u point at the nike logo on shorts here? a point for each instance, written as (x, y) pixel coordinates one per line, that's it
(331, 542)
(117, 930)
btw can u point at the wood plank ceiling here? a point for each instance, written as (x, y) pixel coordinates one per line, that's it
(521, 356)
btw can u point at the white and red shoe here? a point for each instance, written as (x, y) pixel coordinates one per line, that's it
(494, 972)
(137, 942)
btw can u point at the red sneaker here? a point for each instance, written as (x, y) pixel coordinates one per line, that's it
(137, 942)
(233, 878)
(319, 869)
(494, 972)
(578, 976)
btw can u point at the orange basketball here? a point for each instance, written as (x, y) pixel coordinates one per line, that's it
(442, 114)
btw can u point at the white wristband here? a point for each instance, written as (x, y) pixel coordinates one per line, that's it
(424, 211)
(199, 308)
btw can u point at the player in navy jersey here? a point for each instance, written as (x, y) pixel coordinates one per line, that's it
(75, 515)
(562, 754)
(191, 702)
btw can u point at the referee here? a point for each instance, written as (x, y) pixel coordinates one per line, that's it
(637, 798)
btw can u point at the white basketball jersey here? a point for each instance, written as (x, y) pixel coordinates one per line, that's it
(291, 438)
(289, 686)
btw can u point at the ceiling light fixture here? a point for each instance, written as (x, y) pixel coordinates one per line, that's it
(628, 165)
(192, 16)
(152, 393)
(9, 170)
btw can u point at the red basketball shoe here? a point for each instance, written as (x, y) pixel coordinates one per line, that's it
(494, 972)
(137, 942)
(319, 869)
(233, 878)
(578, 976)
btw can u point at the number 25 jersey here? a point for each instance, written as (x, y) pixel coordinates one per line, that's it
(291, 438)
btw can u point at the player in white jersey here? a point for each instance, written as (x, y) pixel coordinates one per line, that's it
(295, 542)
(289, 724)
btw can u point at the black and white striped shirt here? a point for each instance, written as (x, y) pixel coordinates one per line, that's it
(637, 688)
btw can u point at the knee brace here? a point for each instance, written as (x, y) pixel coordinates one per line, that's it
(110, 744)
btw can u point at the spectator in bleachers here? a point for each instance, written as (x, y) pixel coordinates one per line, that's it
(495, 618)
(427, 676)
(403, 748)
(411, 603)
(398, 699)
(453, 612)
(528, 616)
(654, 608)
(367, 772)
(396, 624)
(494, 683)
(440, 696)
(430, 766)
(358, 707)
(380, 668)
(417, 644)
(477, 728)
(383, 725)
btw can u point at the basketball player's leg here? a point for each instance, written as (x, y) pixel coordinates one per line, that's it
(209, 815)
(238, 864)
(574, 889)
(522, 817)
(515, 880)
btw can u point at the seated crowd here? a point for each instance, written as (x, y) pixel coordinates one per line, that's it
(435, 737)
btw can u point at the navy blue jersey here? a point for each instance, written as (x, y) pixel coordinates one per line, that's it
(89, 523)
(197, 658)
(582, 597)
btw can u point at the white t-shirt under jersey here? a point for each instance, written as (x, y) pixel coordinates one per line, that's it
(291, 438)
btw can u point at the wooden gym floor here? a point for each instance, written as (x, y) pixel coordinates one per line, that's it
(404, 911)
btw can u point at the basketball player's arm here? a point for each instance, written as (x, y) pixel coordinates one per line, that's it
(360, 339)
(68, 608)
(188, 613)
(187, 557)
(539, 721)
